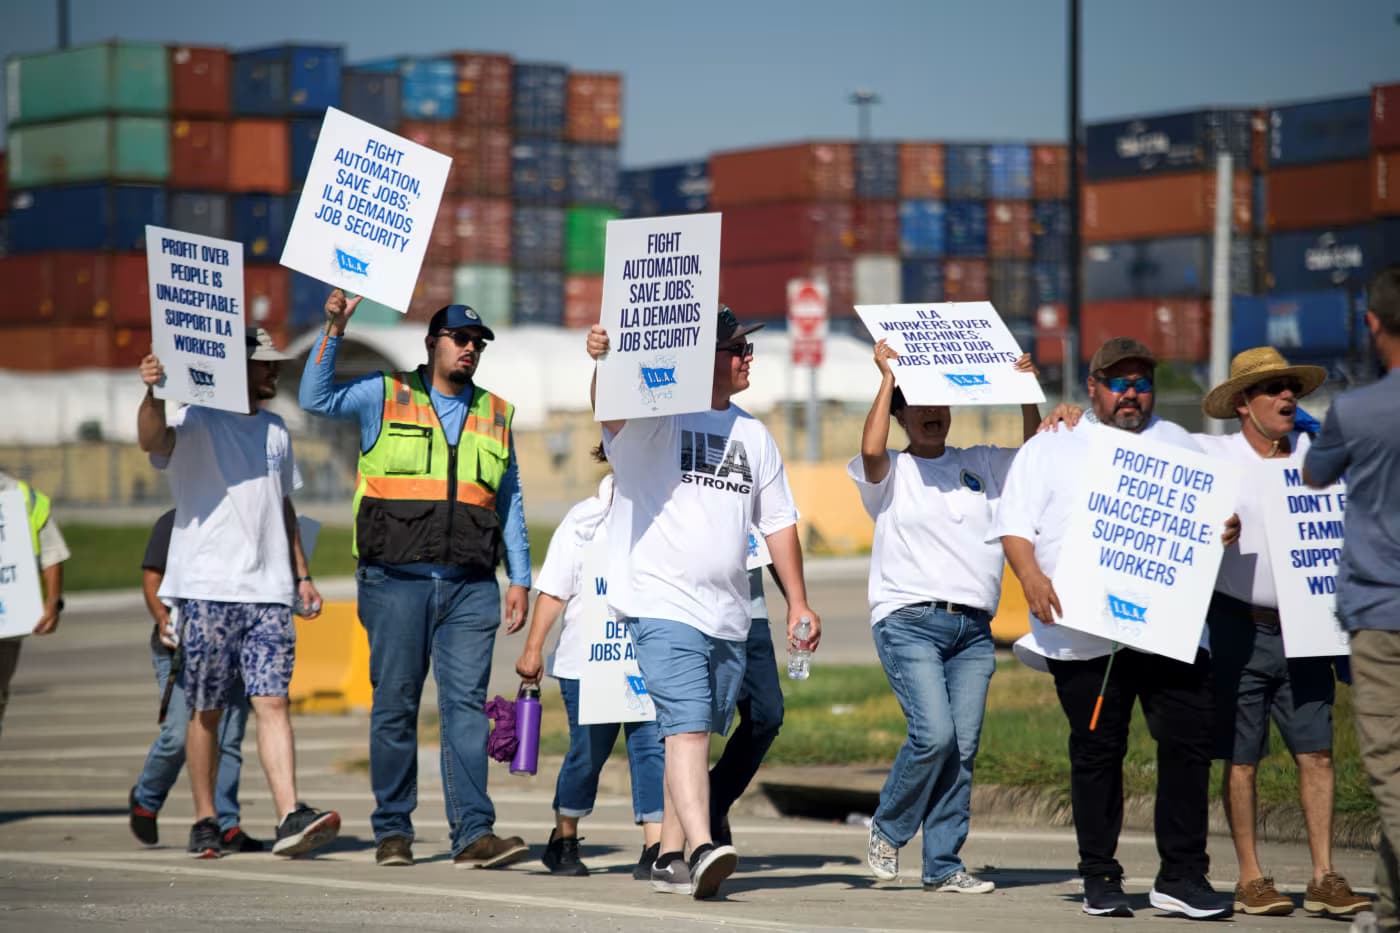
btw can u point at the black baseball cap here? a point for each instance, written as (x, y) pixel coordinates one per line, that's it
(728, 329)
(458, 317)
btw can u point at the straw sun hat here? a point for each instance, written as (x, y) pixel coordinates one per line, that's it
(1251, 367)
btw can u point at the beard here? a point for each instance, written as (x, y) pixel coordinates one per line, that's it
(1129, 417)
(460, 377)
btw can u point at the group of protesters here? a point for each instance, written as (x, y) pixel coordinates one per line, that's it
(438, 507)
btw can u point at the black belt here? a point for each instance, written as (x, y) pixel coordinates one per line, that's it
(956, 609)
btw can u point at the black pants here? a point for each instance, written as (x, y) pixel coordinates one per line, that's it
(1178, 704)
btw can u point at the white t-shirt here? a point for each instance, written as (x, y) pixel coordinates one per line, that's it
(229, 473)
(688, 487)
(561, 576)
(1037, 503)
(1245, 570)
(932, 521)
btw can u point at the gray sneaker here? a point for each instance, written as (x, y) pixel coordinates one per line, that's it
(960, 882)
(882, 857)
(673, 879)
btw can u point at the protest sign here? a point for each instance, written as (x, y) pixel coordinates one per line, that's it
(366, 210)
(660, 300)
(610, 688)
(952, 354)
(196, 285)
(1305, 528)
(21, 601)
(1139, 560)
(758, 555)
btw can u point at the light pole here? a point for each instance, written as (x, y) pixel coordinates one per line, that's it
(1072, 157)
(864, 99)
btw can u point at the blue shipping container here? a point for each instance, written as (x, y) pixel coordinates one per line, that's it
(539, 94)
(967, 229)
(302, 134)
(1050, 282)
(201, 213)
(1012, 288)
(920, 280)
(286, 79)
(965, 175)
(922, 229)
(1009, 171)
(593, 174)
(537, 236)
(85, 217)
(261, 222)
(683, 188)
(1304, 325)
(427, 86)
(634, 196)
(539, 171)
(1314, 260)
(538, 297)
(877, 171)
(1175, 267)
(1320, 131)
(371, 96)
(1170, 142)
(1050, 232)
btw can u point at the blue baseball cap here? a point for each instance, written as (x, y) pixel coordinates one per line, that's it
(458, 317)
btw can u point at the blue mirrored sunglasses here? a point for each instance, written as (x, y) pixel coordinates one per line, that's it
(1120, 384)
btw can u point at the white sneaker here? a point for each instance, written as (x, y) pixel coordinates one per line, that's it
(960, 882)
(882, 857)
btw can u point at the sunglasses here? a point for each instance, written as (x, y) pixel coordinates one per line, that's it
(1120, 384)
(738, 349)
(1276, 387)
(463, 339)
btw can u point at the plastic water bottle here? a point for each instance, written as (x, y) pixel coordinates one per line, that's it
(799, 656)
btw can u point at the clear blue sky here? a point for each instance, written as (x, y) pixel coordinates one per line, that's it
(734, 73)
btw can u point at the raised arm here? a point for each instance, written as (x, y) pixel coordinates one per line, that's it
(598, 345)
(875, 437)
(152, 433)
(1030, 414)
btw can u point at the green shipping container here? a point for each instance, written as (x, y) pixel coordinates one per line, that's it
(585, 235)
(114, 77)
(92, 149)
(487, 290)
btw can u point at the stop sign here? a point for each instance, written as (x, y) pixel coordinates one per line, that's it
(807, 320)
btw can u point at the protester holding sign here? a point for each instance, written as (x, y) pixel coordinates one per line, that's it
(562, 579)
(935, 581)
(1036, 510)
(39, 534)
(1361, 438)
(438, 505)
(688, 489)
(1254, 680)
(236, 568)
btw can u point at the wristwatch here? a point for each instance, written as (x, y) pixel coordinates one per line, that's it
(59, 605)
(305, 579)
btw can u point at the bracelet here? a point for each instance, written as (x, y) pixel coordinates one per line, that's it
(305, 579)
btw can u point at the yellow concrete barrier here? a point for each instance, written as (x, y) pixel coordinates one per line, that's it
(332, 670)
(1013, 615)
(832, 520)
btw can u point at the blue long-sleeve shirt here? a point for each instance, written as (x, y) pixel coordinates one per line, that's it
(363, 400)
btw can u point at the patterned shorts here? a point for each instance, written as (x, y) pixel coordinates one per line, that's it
(231, 647)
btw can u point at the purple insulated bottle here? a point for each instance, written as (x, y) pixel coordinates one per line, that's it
(527, 730)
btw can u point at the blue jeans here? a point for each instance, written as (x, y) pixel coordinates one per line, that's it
(939, 666)
(413, 619)
(589, 748)
(760, 717)
(167, 755)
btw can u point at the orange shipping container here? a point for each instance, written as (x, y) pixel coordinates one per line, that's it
(1160, 206)
(199, 82)
(483, 89)
(1329, 194)
(966, 280)
(199, 155)
(801, 172)
(1009, 229)
(442, 242)
(433, 290)
(483, 230)
(583, 300)
(44, 349)
(1051, 324)
(1259, 141)
(266, 295)
(759, 289)
(480, 161)
(921, 170)
(435, 134)
(1176, 330)
(1385, 184)
(1049, 172)
(259, 157)
(593, 110)
(1385, 116)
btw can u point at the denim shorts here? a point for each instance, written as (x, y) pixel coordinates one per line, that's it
(693, 678)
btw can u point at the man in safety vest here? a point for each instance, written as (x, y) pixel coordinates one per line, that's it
(437, 506)
(51, 551)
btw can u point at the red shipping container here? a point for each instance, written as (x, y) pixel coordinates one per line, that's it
(758, 290)
(921, 170)
(1329, 194)
(75, 283)
(25, 298)
(130, 345)
(199, 156)
(483, 230)
(442, 241)
(259, 156)
(1051, 325)
(1009, 229)
(792, 230)
(966, 280)
(1385, 184)
(199, 82)
(1385, 116)
(877, 227)
(266, 295)
(593, 111)
(433, 290)
(437, 135)
(483, 89)
(4, 183)
(1161, 206)
(1259, 140)
(583, 300)
(1049, 172)
(800, 172)
(122, 293)
(1177, 330)
(46, 349)
(480, 161)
